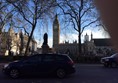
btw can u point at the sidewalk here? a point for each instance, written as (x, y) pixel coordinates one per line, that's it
(86, 64)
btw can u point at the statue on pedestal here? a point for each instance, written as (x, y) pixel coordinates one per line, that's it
(45, 38)
(45, 47)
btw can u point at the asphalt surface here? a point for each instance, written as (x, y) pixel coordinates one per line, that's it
(85, 73)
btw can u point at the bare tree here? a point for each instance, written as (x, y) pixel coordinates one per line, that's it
(80, 14)
(5, 14)
(32, 11)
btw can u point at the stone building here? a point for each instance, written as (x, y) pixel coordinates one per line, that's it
(89, 47)
(56, 34)
(103, 47)
(68, 48)
(13, 43)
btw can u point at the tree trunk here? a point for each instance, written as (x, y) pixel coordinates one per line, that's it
(79, 44)
(28, 43)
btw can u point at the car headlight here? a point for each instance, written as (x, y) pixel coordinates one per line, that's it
(6, 65)
(106, 59)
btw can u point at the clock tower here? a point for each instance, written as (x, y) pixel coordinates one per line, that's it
(56, 33)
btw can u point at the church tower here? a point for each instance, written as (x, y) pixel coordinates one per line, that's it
(86, 38)
(56, 32)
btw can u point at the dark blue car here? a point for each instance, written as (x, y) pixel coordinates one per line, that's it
(111, 61)
(41, 64)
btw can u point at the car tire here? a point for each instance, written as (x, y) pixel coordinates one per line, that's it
(113, 64)
(14, 73)
(60, 73)
(106, 64)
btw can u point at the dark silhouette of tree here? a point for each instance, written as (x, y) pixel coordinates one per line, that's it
(5, 14)
(80, 14)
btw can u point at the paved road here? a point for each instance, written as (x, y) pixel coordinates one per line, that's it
(85, 73)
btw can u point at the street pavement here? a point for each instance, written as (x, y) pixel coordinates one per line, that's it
(85, 73)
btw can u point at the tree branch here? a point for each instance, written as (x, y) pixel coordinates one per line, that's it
(21, 12)
(66, 12)
(74, 25)
(86, 11)
(23, 28)
(89, 24)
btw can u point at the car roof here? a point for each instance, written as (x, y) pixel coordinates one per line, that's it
(116, 54)
(51, 54)
(64, 55)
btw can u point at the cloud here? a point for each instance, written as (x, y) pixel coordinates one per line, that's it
(96, 34)
(68, 37)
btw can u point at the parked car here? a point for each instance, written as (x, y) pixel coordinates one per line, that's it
(41, 64)
(111, 61)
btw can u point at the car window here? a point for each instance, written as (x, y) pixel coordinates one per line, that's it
(34, 59)
(48, 58)
(60, 58)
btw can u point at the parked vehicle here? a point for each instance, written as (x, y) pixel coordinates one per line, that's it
(41, 64)
(111, 61)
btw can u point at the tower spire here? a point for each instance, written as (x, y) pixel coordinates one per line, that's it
(56, 32)
(56, 19)
(56, 16)
(91, 36)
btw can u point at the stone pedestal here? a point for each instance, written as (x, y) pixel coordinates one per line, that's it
(45, 49)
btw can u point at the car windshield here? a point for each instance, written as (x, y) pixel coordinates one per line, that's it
(116, 54)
